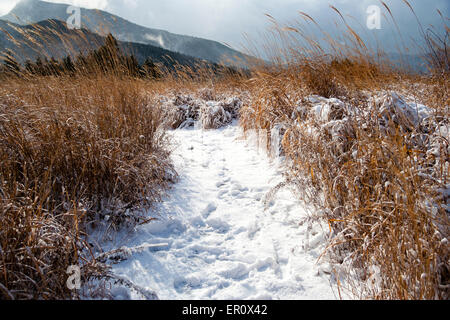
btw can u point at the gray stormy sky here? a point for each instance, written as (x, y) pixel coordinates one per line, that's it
(227, 20)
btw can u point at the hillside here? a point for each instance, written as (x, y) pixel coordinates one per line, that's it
(101, 22)
(52, 38)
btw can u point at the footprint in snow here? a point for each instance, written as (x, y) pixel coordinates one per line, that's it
(181, 284)
(218, 224)
(221, 193)
(253, 229)
(236, 272)
(223, 182)
(210, 208)
(220, 184)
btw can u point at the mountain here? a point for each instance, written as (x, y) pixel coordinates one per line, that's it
(52, 38)
(102, 23)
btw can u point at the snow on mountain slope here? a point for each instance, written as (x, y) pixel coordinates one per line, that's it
(218, 235)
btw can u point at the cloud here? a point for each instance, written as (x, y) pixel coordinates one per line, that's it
(157, 39)
(227, 20)
(90, 4)
(6, 6)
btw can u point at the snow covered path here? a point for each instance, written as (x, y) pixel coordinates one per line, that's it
(222, 243)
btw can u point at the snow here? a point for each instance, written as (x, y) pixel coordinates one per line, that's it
(229, 228)
(223, 237)
(183, 111)
(393, 106)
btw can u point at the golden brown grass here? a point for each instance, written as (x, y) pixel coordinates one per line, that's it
(379, 190)
(72, 150)
(379, 185)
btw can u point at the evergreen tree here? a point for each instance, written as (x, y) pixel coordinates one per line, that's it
(68, 65)
(54, 67)
(81, 64)
(29, 67)
(150, 69)
(108, 56)
(39, 67)
(11, 66)
(132, 66)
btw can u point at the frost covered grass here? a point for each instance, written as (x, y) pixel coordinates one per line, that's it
(362, 147)
(211, 112)
(376, 168)
(72, 153)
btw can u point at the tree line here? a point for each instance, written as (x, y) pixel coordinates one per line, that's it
(107, 59)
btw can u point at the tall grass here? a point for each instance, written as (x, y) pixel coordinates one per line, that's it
(72, 151)
(379, 181)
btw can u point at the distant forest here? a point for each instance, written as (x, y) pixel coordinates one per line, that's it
(107, 59)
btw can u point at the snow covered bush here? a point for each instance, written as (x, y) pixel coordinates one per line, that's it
(214, 115)
(180, 112)
(184, 111)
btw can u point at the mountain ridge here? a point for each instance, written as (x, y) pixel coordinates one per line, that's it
(102, 22)
(53, 39)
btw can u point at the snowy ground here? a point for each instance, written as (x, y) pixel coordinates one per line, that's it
(218, 239)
